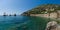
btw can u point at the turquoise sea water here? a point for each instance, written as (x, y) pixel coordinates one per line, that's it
(22, 23)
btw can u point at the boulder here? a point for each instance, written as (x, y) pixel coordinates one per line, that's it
(51, 25)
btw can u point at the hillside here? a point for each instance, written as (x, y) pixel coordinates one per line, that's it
(42, 9)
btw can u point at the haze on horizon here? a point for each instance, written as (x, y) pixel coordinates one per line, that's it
(20, 6)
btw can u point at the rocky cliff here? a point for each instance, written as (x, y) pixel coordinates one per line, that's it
(42, 9)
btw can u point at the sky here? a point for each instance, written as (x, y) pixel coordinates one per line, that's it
(20, 6)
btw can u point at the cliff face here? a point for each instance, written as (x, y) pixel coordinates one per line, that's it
(43, 9)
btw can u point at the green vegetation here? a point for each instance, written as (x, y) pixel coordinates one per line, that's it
(43, 9)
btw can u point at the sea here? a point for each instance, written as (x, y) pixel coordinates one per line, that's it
(22, 23)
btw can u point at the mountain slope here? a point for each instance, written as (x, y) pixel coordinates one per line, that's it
(42, 9)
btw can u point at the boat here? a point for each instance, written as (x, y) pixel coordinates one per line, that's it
(14, 14)
(4, 14)
(10, 15)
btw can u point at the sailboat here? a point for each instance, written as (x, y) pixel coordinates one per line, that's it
(10, 15)
(14, 14)
(4, 14)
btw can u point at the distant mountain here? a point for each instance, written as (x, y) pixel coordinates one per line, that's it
(42, 9)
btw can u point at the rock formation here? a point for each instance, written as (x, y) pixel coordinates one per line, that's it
(51, 25)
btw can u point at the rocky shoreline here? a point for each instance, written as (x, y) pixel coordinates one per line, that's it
(52, 25)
